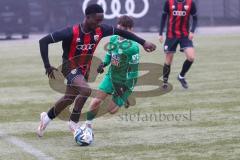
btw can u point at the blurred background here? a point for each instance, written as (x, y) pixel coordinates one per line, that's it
(213, 97)
(38, 16)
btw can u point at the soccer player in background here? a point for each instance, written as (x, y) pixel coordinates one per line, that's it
(78, 41)
(178, 13)
(119, 81)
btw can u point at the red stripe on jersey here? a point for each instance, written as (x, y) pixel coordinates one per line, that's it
(170, 21)
(83, 56)
(178, 21)
(72, 51)
(186, 18)
(98, 32)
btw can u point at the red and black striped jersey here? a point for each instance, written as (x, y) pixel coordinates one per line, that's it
(179, 12)
(78, 46)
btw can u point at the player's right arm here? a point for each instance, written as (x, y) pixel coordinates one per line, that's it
(109, 30)
(55, 37)
(163, 20)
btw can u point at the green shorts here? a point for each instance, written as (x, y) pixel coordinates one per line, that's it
(119, 94)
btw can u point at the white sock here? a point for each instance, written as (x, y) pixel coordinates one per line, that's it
(47, 119)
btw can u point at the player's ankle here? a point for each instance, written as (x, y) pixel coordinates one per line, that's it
(181, 77)
(165, 81)
(51, 113)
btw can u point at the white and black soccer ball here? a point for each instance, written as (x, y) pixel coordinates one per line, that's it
(84, 136)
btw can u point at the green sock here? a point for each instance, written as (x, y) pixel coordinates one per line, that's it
(90, 115)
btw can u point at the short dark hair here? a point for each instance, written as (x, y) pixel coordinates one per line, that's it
(126, 21)
(93, 9)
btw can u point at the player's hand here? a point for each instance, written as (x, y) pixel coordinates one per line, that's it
(149, 47)
(100, 68)
(161, 39)
(190, 36)
(50, 72)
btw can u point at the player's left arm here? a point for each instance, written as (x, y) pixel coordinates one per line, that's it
(193, 12)
(165, 14)
(108, 30)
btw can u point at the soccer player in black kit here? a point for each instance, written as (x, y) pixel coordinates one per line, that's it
(177, 13)
(78, 41)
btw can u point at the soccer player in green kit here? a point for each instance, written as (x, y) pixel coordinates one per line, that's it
(119, 81)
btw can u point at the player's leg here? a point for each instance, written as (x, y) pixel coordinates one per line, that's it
(190, 57)
(59, 106)
(84, 91)
(95, 106)
(113, 107)
(170, 47)
(118, 101)
(121, 97)
(187, 47)
(105, 88)
(167, 66)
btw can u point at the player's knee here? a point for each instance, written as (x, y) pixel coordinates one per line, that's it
(86, 92)
(113, 110)
(191, 58)
(95, 103)
(69, 99)
(190, 54)
(168, 60)
(168, 63)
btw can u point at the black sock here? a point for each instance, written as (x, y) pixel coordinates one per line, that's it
(186, 66)
(75, 116)
(51, 113)
(79, 103)
(166, 72)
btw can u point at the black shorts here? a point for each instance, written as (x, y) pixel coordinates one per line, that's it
(170, 45)
(74, 74)
(70, 74)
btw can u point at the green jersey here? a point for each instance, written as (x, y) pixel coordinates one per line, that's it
(124, 58)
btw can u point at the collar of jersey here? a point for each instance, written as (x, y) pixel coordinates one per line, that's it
(180, 2)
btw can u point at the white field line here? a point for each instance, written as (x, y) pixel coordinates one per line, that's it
(25, 147)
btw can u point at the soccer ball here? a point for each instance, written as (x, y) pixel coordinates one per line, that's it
(83, 136)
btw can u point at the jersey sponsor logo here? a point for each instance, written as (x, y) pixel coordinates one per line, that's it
(135, 59)
(96, 38)
(115, 60)
(78, 40)
(179, 13)
(85, 47)
(165, 48)
(116, 6)
(186, 7)
(74, 71)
